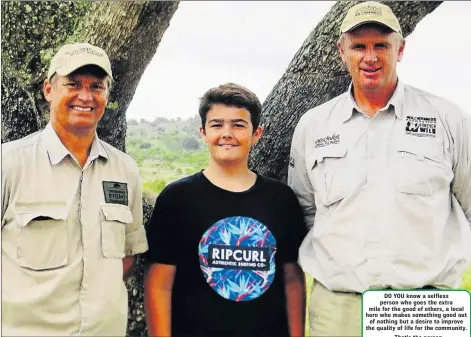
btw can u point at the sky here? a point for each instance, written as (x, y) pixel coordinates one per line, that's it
(209, 43)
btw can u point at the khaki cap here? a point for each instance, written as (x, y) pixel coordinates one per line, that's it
(367, 12)
(70, 57)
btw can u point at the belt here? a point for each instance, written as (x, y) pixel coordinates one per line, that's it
(423, 288)
(427, 287)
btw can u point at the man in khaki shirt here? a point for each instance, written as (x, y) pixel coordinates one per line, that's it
(383, 174)
(71, 211)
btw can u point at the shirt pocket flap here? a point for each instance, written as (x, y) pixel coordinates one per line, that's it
(26, 212)
(118, 213)
(429, 148)
(43, 236)
(318, 155)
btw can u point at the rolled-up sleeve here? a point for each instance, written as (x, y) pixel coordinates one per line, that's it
(461, 185)
(136, 241)
(298, 178)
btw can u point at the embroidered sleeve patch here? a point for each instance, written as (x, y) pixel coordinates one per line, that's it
(115, 192)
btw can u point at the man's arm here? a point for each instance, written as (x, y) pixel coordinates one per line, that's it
(158, 284)
(136, 241)
(461, 185)
(295, 291)
(4, 196)
(298, 178)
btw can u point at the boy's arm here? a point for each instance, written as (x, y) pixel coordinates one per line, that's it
(295, 291)
(158, 284)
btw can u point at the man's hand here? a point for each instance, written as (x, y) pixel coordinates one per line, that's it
(128, 264)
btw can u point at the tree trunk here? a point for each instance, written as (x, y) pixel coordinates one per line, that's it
(314, 76)
(129, 31)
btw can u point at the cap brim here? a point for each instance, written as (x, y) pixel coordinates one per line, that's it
(358, 24)
(70, 68)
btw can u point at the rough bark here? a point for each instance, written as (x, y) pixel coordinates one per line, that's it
(314, 76)
(129, 31)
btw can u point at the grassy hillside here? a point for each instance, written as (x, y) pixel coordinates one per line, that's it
(165, 150)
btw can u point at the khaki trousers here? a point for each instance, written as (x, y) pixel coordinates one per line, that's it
(334, 313)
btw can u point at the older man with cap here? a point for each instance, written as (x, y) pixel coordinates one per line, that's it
(71, 211)
(383, 173)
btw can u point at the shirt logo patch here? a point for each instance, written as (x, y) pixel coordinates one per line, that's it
(329, 140)
(115, 192)
(421, 126)
(237, 258)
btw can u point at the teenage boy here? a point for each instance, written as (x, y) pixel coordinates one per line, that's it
(223, 243)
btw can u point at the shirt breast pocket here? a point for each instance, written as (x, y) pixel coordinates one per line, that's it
(113, 229)
(420, 167)
(43, 237)
(329, 174)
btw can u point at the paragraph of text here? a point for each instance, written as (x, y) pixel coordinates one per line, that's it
(416, 313)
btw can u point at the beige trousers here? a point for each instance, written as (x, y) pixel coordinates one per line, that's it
(334, 313)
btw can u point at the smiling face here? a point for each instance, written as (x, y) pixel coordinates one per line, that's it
(371, 53)
(229, 134)
(77, 102)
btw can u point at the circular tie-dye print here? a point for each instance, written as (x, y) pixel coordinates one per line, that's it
(237, 257)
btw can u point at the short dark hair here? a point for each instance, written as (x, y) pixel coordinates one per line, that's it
(231, 94)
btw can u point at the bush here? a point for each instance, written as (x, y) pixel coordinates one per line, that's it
(190, 143)
(155, 186)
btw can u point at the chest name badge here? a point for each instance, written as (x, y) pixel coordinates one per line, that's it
(115, 192)
(421, 126)
(327, 140)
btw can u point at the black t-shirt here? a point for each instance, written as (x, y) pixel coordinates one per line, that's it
(229, 249)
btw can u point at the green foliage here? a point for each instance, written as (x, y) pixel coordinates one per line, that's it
(165, 150)
(190, 143)
(112, 105)
(155, 186)
(44, 25)
(466, 280)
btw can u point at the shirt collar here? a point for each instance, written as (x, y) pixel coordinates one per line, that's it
(57, 151)
(395, 101)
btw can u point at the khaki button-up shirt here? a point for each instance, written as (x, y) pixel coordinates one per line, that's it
(389, 197)
(65, 231)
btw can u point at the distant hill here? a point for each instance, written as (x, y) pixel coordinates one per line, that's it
(165, 150)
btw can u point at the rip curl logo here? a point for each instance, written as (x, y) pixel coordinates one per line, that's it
(421, 126)
(253, 258)
(237, 258)
(329, 140)
(369, 11)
